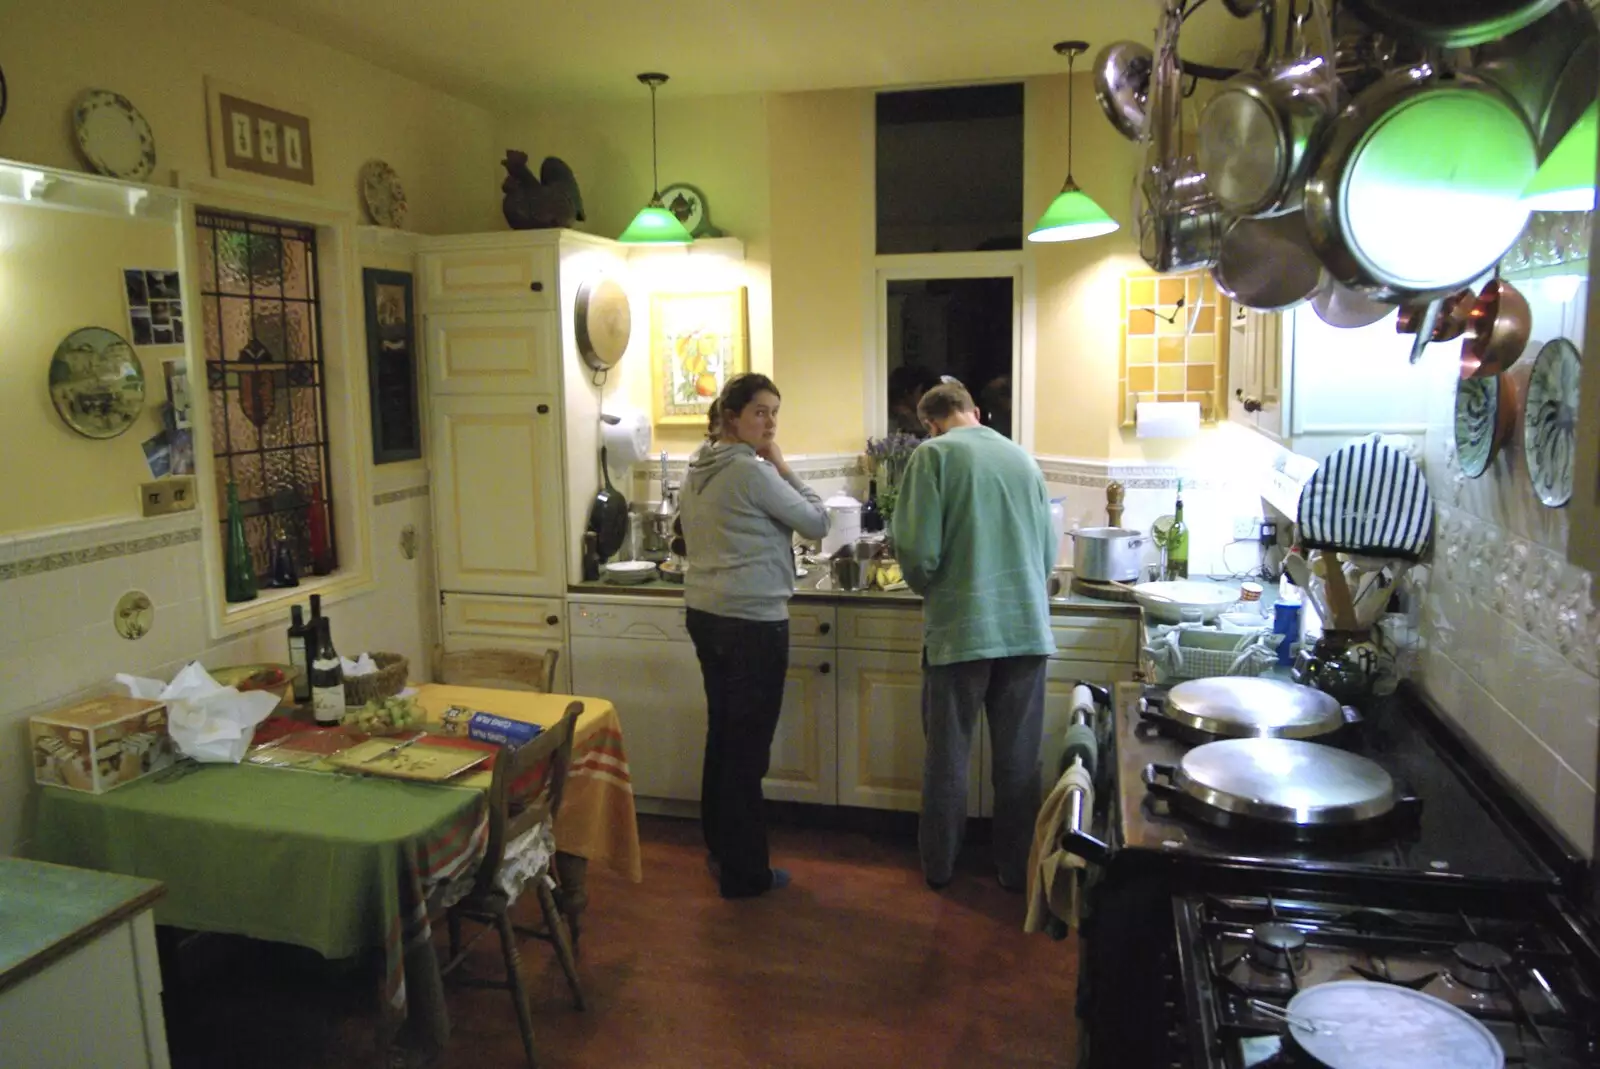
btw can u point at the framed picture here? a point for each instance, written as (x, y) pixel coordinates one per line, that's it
(392, 366)
(698, 341)
(155, 306)
(251, 136)
(1174, 347)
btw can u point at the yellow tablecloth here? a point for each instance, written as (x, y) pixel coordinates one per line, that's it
(597, 819)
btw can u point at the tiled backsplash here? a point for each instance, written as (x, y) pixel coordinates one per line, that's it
(58, 644)
(1511, 633)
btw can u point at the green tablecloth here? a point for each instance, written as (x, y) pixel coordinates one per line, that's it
(337, 863)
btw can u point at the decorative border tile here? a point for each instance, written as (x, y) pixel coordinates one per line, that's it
(403, 494)
(50, 562)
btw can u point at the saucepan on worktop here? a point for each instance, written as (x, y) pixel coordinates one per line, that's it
(1108, 554)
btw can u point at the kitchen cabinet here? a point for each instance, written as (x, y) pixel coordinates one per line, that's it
(804, 764)
(493, 621)
(493, 353)
(1299, 381)
(490, 271)
(497, 494)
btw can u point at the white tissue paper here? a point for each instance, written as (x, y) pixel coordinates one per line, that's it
(361, 666)
(208, 722)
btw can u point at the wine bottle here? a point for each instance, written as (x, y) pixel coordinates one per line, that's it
(317, 533)
(327, 678)
(871, 514)
(1178, 542)
(239, 582)
(300, 654)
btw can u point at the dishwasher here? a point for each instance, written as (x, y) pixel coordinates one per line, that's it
(639, 657)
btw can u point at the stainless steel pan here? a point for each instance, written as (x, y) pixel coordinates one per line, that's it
(1551, 69)
(1268, 263)
(1452, 23)
(1122, 86)
(1419, 184)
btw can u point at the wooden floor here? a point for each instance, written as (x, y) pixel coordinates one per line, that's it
(856, 964)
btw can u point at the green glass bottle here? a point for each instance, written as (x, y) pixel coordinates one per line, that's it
(1178, 542)
(240, 572)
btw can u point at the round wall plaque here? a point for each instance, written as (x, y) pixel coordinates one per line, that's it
(603, 322)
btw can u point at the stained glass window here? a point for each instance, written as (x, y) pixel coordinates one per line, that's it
(269, 424)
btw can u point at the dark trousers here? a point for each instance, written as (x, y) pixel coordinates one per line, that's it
(1010, 690)
(744, 663)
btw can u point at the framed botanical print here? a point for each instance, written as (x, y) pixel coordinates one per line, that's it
(392, 366)
(698, 341)
(251, 136)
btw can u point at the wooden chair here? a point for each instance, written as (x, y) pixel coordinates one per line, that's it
(502, 669)
(509, 817)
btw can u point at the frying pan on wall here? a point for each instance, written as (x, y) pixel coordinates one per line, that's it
(608, 515)
(601, 322)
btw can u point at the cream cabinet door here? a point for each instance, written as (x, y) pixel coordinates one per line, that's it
(804, 766)
(497, 495)
(493, 353)
(881, 743)
(496, 276)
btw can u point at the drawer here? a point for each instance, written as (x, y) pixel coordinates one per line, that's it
(537, 619)
(813, 625)
(641, 623)
(880, 629)
(492, 277)
(1096, 638)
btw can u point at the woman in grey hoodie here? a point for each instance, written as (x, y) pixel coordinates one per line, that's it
(740, 511)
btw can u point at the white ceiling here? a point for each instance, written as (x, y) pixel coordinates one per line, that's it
(505, 52)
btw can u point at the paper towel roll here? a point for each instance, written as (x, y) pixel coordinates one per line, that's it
(627, 441)
(1167, 419)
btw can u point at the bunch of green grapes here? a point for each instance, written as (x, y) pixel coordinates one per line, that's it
(384, 714)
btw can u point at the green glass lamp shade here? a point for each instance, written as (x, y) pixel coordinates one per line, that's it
(654, 225)
(1566, 179)
(1071, 217)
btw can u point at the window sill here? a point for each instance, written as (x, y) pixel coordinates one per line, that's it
(271, 606)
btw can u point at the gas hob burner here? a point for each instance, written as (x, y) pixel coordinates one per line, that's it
(1479, 965)
(1278, 948)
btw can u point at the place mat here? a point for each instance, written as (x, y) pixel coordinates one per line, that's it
(425, 761)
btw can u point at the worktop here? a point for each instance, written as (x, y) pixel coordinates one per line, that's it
(805, 589)
(48, 910)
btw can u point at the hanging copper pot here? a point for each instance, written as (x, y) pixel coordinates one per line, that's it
(1498, 326)
(1451, 322)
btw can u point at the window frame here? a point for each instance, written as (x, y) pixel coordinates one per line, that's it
(345, 396)
(1008, 263)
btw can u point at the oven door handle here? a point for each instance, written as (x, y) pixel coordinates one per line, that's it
(1074, 839)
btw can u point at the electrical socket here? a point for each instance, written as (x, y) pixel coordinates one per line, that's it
(1246, 527)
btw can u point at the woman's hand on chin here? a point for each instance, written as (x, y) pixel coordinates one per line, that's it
(772, 454)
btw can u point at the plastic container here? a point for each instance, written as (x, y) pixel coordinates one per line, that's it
(844, 523)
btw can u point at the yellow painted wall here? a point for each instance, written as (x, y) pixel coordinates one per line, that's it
(157, 53)
(60, 271)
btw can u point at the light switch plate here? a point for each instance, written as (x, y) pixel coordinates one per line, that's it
(163, 496)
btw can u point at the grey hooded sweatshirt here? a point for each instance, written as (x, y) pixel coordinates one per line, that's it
(739, 517)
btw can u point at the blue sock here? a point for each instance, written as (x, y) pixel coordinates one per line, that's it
(780, 878)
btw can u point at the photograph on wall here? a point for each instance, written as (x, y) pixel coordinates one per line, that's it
(176, 417)
(392, 366)
(698, 341)
(155, 306)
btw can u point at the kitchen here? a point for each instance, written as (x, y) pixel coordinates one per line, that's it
(789, 173)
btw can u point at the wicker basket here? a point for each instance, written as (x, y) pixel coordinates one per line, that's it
(1202, 653)
(386, 682)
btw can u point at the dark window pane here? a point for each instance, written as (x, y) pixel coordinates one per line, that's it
(260, 309)
(949, 169)
(950, 326)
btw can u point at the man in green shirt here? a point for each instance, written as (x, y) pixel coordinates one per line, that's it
(972, 534)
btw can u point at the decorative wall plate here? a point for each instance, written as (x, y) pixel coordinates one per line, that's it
(96, 382)
(114, 138)
(382, 194)
(689, 205)
(1486, 411)
(1550, 421)
(133, 615)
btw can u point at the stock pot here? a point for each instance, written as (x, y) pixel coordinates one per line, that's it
(1108, 554)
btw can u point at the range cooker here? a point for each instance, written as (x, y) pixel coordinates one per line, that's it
(1187, 916)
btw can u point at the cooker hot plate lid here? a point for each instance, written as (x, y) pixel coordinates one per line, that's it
(1286, 781)
(1247, 706)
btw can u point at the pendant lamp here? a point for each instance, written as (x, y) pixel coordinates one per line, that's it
(1566, 180)
(654, 225)
(1073, 215)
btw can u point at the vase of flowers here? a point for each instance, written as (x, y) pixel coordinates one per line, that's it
(887, 458)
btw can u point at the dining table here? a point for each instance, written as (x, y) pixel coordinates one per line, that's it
(344, 863)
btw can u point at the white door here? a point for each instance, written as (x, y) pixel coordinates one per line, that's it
(497, 496)
(804, 766)
(881, 743)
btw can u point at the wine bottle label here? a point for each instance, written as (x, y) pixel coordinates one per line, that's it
(297, 657)
(328, 703)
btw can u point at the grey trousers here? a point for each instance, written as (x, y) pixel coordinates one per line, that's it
(1011, 691)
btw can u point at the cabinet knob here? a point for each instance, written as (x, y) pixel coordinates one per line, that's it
(552, 620)
(824, 667)
(1251, 404)
(537, 287)
(543, 410)
(823, 629)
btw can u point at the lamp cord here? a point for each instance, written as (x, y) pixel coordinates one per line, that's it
(655, 171)
(1070, 57)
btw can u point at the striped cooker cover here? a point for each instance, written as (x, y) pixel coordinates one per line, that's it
(1369, 498)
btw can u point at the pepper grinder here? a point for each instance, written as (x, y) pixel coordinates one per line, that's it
(1114, 504)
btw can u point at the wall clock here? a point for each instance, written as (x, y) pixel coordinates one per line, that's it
(689, 205)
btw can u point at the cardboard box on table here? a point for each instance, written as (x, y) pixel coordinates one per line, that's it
(101, 743)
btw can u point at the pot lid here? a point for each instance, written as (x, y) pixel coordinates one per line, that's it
(841, 500)
(1286, 781)
(1249, 706)
(1358, 1023)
